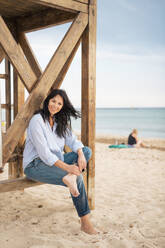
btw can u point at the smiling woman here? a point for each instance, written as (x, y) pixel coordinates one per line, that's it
(55, 105)
(44, 159)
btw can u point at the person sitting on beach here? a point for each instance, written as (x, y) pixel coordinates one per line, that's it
(134, 141)
(44, 160)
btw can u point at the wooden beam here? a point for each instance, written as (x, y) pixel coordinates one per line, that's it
(3, 76)
(44, 19)
(1, 166)
(5, 106)
(19, 93)
(8, 93)
(17, 184)
(82, 1)
(46, 81)
(2, 55)
(65, 68)
(70, 5)
(23, 41)
(15, 55)
(88, 97)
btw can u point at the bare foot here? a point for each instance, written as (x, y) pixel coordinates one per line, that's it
(86, 226)
(89, 229)
(70, 181)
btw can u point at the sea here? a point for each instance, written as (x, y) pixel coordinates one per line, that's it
(150, 122)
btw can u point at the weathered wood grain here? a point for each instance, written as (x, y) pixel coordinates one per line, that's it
(8, 93)
(2, 55)
(82, 1)
(39, 93)
(3, 76)
(43, 19)
(25, 45)
(65, 68)
(16, 56)
(88, 97)
(17, 184)
(63, 4)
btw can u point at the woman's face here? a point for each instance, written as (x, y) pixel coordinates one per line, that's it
(55, 104)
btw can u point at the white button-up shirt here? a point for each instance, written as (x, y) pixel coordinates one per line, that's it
(42, 141)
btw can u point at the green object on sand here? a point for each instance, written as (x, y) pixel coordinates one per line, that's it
(120, 146)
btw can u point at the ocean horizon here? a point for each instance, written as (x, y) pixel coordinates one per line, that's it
(119, 121)
(150, 121)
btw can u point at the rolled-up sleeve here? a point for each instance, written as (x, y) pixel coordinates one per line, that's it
(38, 139)
(72, 141)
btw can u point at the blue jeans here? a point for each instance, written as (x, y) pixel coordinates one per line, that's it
(37, 170)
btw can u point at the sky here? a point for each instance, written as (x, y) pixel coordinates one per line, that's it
(130, 54)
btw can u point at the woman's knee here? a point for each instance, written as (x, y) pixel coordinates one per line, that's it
(87, 152)
(80, 180)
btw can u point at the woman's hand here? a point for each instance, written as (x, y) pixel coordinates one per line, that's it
(74, 169)
(82, 164)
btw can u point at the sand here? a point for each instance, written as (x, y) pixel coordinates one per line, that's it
(129, 211)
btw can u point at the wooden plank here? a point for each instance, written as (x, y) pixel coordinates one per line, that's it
(44, 19)
(82, 1)
(3, 76)
(19, 93)
(65, 68)
(8, 93)
(88, 97)
(2, 55)
(16, 56)
(5, 106)
(23, 41)
(0, 132)
(46, 81)
(12, 9)
(16, 167)
(70, 5)
(17, 184)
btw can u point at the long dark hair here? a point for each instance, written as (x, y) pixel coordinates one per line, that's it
(63, 117)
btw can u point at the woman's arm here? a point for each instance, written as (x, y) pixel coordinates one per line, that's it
(72, 141)
(76, 146)
(135, 136)
(73, 169)
(81, 160)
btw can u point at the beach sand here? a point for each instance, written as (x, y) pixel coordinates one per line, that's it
(129, 206)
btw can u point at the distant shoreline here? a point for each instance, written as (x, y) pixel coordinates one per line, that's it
(155, 143)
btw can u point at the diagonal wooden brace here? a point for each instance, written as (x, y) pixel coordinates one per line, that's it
(47, 79)
(2, 55)
(25, 45)
(65, 68)
(16, 56)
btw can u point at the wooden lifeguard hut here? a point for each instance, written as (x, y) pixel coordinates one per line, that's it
(16, 19)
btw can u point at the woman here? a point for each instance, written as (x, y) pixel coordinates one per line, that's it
(43, 159)
(133, 139)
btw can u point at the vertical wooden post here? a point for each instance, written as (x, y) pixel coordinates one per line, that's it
(88, 96)
(0, 131)
(8, 93)
(19, 99)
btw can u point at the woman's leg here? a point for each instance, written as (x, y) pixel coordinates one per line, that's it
(80, 202)
(72, 157)
(71, 180)
(39, 171)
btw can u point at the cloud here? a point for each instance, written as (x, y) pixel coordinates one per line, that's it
(130, 54)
